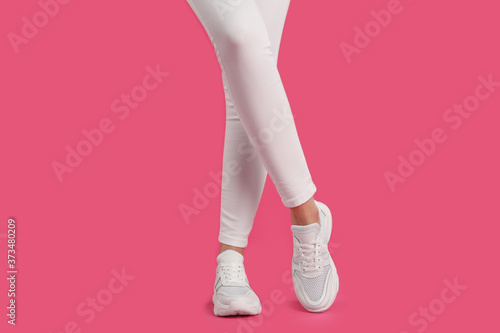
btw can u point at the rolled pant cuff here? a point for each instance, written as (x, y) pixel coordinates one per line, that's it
(302, 198)
(238, 242)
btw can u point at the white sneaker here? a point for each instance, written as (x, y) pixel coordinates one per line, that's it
(315, 278)
(232, 292)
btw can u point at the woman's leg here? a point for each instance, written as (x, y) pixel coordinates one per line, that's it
(242, 190)
(242, 43)
(259, 108)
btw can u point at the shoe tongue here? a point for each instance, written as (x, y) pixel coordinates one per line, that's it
(230, 256)
(306, 233)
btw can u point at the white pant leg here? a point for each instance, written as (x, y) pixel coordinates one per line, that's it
(241, 190)
(246, 35)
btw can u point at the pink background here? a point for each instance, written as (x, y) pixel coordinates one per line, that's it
(120, 207)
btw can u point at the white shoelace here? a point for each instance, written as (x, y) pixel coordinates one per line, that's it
(310, 256)
(233, 273)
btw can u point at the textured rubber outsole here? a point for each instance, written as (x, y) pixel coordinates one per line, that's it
(236, 307)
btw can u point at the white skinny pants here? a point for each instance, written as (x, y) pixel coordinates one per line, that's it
(260, 133)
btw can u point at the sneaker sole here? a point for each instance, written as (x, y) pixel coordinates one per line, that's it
(236, 307)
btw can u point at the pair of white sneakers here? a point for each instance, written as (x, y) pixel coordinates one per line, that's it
(315, 278)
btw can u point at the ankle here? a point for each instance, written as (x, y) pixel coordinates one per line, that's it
(305, 214)
(225, 247)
